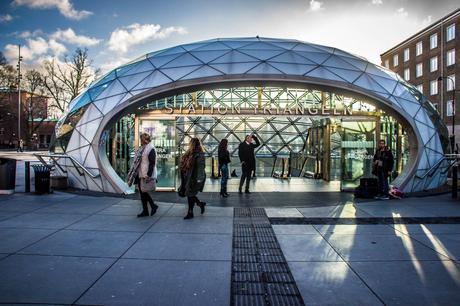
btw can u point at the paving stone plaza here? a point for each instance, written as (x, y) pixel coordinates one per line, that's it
(64, 249)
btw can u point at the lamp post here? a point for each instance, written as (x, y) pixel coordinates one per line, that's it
(19, 92)
(452, 139)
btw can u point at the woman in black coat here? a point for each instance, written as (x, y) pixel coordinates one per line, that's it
(193, 175)
(224, 160)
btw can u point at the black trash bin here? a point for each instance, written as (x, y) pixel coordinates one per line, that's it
(7, 175)
(42, 179)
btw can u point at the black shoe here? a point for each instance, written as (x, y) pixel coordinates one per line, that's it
(201, 205)
(189, 216)
(239, 191)
(143, 214)
(154, 210)
(247, 191)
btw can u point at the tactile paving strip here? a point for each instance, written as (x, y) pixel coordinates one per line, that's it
(260, 273)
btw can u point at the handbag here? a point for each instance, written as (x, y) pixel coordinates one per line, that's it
(151, 185)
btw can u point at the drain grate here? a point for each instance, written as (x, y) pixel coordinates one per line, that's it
(260, 273)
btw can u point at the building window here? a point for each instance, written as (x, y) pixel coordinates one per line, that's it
(419, 48)
(450, 32)
(395, 60)
(419, 70)
(450, 57)
(434, 87)
(450, 82)
(406, 54)
(450, 108)
(420, 88)
(407, 74)
(387, 63)
(434, 41)
(433, 64)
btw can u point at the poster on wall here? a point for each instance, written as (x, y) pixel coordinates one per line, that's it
(163, 134)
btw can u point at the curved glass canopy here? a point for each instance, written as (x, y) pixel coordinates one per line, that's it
(261, 61)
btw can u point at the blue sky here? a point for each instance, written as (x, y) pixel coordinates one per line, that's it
(118, 31)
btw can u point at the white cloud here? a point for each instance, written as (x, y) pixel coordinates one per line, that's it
(63, 6)
(377, 2)
(402, 12)
(27, 34)
(6, 18)
(316, 6)
(70, 37)
(34, 48)
(121, 39)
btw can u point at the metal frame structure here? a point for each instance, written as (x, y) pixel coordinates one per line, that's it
(246, 62)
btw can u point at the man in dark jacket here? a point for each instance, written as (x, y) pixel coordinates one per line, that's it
(247, 159)
(383, 165)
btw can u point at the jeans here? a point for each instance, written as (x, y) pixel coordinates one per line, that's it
(245, 176)
(383, 182)
(224, 173)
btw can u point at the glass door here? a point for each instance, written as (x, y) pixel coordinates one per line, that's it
(358, 146)
(163, 133)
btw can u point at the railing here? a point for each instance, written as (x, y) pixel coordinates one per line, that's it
(55, 157)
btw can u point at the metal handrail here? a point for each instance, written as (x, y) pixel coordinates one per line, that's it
(75, 163)
(438, 163)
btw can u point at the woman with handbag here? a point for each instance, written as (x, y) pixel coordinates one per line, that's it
(224, 159)
(193, 175)
(143, 172)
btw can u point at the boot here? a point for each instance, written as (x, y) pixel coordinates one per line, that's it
(189, 215)
(143, 214)
(154, 208)
(222, 192)
(191, 204)
(225, 191)
(201, 205)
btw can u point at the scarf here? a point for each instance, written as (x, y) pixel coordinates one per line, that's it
(132, 173)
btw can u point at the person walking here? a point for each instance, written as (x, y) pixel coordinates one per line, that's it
(247, 159)
(224, 160)
(143, 172)
(20, 146)
(383, 165)
(193, 175)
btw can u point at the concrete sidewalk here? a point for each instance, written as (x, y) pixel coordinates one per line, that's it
(74, 249)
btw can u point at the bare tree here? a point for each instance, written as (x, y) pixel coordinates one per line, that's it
(8, 84)
(35, 108)
(8, 75)
(65, 81)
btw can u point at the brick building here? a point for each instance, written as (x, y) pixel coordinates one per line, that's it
(36, 127)
(425, 57)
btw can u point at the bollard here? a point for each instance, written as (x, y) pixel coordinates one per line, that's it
(27, 175)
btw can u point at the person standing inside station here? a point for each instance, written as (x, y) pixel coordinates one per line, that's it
(383, 165)
(143, 172)
(224, 160)
(248, 160)
(193, 175)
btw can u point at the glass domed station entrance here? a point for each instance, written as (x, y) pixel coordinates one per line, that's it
(318, 111)
(304, 133)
